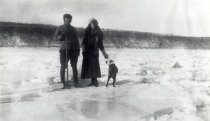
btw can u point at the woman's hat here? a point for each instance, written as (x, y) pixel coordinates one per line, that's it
(94, 21)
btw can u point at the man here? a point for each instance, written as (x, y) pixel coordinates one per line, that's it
(69, 44)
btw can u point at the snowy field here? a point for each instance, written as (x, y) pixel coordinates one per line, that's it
(161, 85)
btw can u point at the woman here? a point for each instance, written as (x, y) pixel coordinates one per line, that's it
(92, 42)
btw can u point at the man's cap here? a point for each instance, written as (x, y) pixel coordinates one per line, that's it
(67, 16)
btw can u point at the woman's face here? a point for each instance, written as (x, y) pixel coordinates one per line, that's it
(92, 25)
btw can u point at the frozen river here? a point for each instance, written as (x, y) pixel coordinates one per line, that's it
(148, 87)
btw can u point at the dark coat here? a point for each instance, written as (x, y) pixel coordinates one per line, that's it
(92, 42)
(68, 38)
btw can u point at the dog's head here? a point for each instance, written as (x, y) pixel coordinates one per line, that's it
(109, 61)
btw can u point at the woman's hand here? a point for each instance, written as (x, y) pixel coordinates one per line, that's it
(106, 56)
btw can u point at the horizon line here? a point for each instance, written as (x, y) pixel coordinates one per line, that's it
(158, 34)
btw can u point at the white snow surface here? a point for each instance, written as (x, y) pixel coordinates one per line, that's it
(148, 87)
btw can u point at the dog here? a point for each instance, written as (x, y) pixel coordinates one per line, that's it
(112, 72)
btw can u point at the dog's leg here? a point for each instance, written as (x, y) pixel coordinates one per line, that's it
(114, 80)
(107, 81)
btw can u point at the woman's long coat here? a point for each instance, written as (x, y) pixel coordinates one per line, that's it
(92, 42)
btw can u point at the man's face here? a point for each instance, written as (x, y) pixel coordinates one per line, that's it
(67, 20)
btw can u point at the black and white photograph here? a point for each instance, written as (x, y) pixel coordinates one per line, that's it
(104, 60)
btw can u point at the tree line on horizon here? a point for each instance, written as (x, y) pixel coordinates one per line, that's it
(24, 34)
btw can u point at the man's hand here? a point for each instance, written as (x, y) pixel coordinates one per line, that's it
(61, 36)
(58, 37)
(63, 33)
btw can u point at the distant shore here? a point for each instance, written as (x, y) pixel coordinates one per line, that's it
(41, 35)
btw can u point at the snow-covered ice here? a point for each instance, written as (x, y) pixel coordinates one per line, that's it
(148, 87)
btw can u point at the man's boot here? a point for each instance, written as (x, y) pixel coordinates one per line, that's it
(76, 83)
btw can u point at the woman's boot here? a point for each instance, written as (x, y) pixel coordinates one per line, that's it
(92, 82)
(95, 81)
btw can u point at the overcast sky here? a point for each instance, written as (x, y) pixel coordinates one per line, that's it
(180, 17)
